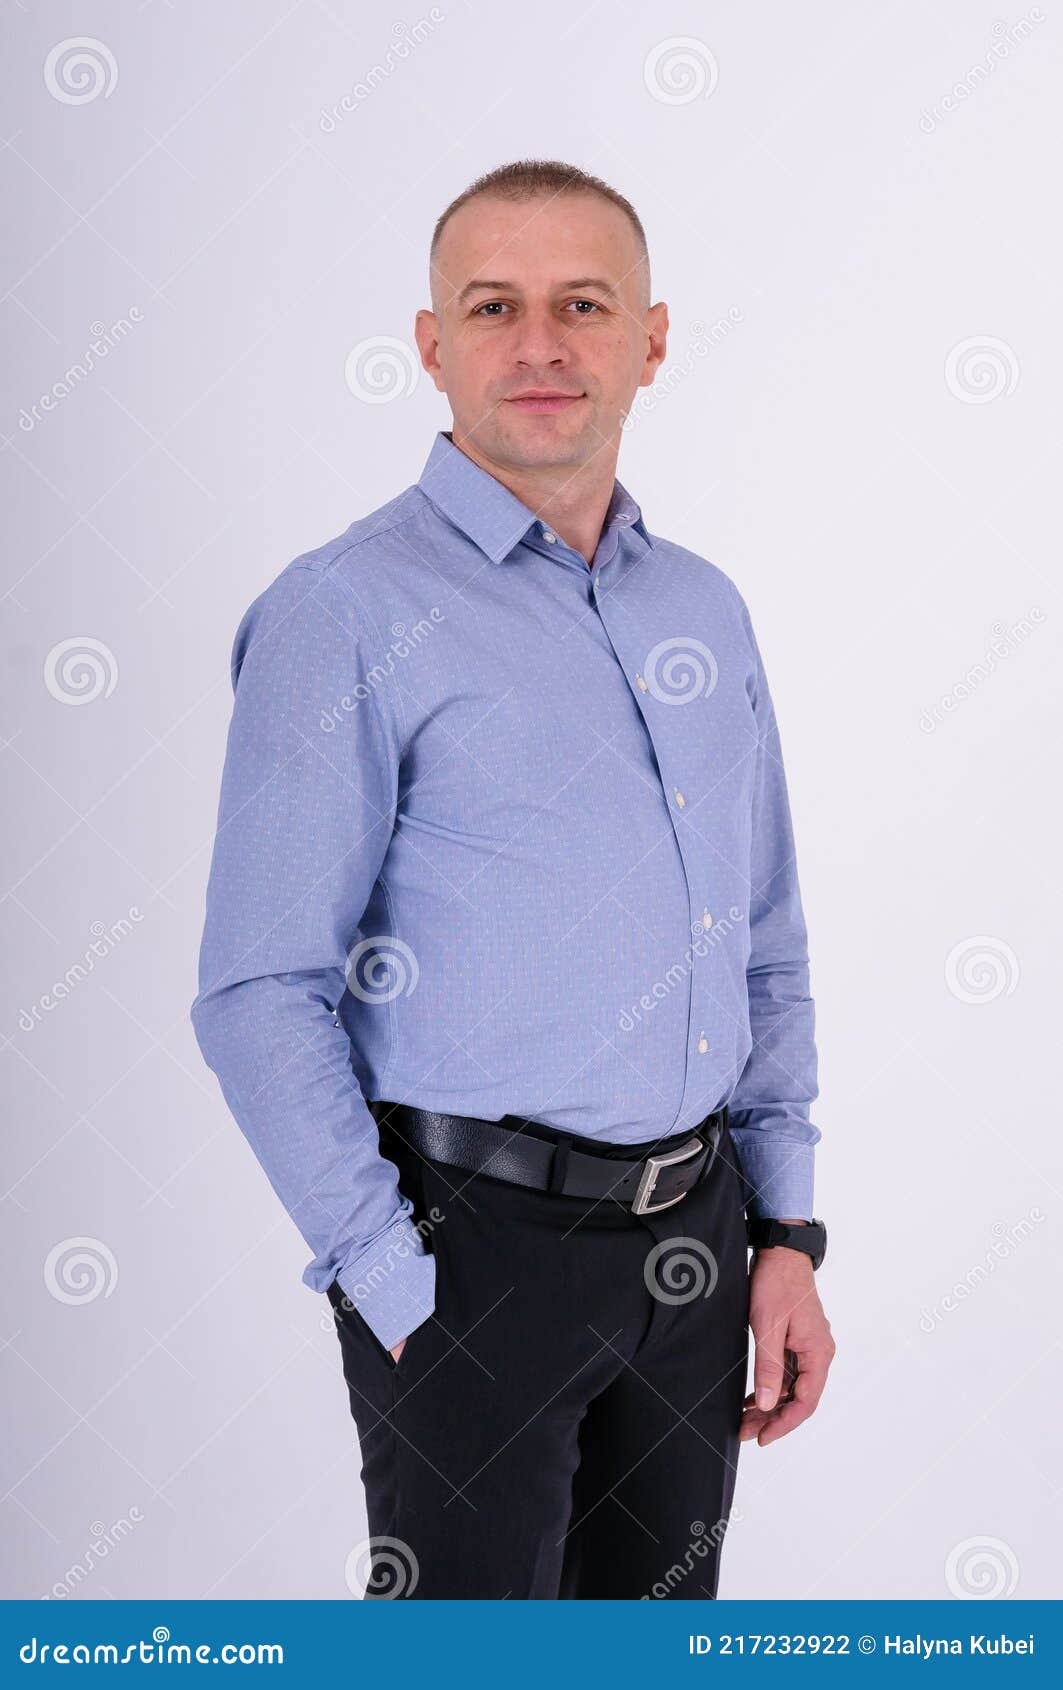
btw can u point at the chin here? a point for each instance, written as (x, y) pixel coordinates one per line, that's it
(531, 445)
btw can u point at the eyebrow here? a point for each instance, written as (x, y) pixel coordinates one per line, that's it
(511, 287)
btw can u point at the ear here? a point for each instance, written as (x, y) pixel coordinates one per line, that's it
(426, 334)
(656, 342)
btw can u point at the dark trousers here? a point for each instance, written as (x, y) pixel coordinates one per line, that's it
(566, 1423)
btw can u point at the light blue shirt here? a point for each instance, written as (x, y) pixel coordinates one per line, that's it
(499, 834)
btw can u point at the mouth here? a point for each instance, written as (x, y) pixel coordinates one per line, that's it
(545, 401)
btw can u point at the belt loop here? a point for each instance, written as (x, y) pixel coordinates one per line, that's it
(559, 1165)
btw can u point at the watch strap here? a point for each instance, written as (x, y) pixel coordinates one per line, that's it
(810, 1237)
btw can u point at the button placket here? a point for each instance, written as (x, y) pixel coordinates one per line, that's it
(697, 1036)
(701, 1046)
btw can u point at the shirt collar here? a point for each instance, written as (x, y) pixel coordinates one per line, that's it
(493, 517)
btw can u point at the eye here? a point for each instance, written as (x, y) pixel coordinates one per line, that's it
(592, 303)
(491, 305)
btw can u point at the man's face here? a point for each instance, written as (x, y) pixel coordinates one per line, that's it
(541, 297)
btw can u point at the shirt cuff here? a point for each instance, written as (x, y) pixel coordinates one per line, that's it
(392, 1285)
(776, 1175)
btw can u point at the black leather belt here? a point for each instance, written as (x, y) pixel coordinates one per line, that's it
(509, 1150)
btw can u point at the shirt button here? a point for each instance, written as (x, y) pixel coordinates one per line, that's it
(706, 920)
(680, 800)
(548, 536)
(640, 683)
(703, 1045)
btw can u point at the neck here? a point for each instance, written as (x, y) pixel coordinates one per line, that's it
(570, 500)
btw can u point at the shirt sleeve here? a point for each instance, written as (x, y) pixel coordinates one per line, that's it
(769, 1108)
(308, 799)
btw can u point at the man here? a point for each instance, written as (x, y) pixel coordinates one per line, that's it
(504, 973)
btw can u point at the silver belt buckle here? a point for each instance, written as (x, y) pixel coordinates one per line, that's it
(654, 1164)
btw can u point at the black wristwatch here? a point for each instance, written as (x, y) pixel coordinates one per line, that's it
(810, 1237)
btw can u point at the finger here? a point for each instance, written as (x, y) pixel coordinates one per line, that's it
(808, 1388)
(787, 1419)
(756, 1417)
(752, 1418)
(768, 1370)
(810, 1381)
(750, 1431)
(789, 1378)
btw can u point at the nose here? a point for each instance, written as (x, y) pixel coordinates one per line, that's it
(541, 341)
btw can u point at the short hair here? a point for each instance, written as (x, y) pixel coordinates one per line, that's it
(527, 179)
